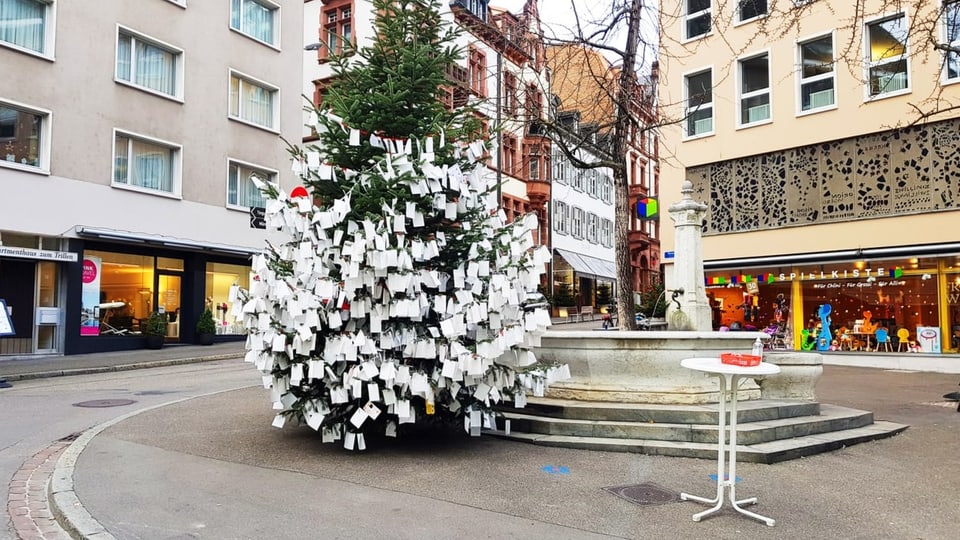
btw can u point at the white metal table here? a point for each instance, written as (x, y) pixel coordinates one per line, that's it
(730, 377)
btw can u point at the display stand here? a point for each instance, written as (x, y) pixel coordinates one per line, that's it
(729, 377)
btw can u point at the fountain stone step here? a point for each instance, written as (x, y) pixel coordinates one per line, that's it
(830, 418)
(767, 452)
(748, 411)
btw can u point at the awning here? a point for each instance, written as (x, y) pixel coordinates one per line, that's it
(585, 264)
(160, 240)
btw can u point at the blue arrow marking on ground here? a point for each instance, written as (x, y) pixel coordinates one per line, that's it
(553, 469)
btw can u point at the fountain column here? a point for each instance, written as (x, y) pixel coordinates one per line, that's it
(694, 312)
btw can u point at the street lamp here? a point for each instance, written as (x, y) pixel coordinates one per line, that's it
(313, 47)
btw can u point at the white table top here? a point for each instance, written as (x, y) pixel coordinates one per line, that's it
(714, 365)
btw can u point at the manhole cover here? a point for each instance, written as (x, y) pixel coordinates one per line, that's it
(645, 494)
(103, 403)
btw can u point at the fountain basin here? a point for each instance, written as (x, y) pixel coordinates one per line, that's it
(644, 366)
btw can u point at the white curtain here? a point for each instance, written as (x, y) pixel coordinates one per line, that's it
(242, 190)
(146, 65)
(22, 22)
(252, 18)
(251, 102)
(139, 163)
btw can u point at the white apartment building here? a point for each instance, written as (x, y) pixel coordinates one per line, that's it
(128, 135)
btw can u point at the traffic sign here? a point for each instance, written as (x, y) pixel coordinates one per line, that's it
(258, 217)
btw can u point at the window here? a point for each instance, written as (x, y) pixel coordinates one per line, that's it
(533, 102)
(817, 80)
(577, 229)
(509, 93)
(606, 189)
(754, 89)
(241, 191)
(699, 111)
(24, 137)
(255, 18)
(147, 64)
(751, 9)
(887, 69)
(592, 227)
(337, 24)
(478, 70)
(28, 25)
(561, 216)
(145, 163)
(697, 18)
(606, 233)
(477, 7)
(951, 27)
(252, 102)
(509, 154)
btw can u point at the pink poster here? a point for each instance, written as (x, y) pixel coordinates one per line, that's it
(90, 297)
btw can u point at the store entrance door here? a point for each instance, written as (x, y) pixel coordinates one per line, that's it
(17, 288)
(168, 301)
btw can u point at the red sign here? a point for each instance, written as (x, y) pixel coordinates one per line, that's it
(89, 271)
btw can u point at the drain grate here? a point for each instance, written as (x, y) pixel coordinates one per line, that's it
(103, 403)
(70, 437)
(645, 494)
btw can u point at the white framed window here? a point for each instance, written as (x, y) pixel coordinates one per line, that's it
(888, 65)
(747, 10)
(606, 189)
(149, 64)
(144, 163)
(242, 193)
(258, 19)
(816, 74)
(24, 137)
(561, 217)
(592, 227)
(577, 230)
(253, 101)
(696, 18)
(951, 38)
(698, 88)
(754, 85)
(28, 26)
(606, 233)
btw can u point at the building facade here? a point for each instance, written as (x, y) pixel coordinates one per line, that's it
(128, 137)
(823, 140)
(582, 81)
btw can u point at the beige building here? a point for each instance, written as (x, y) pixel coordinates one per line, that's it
(800, 126)
(128, 135)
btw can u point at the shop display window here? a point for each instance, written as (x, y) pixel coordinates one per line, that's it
(124, 297)
(221, 277)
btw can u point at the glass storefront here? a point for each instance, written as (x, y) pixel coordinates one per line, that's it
(221, 278)
(914, 302)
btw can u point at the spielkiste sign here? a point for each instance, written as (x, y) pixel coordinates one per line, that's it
(770, 277)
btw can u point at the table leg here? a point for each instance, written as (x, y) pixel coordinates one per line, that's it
(735, 383)
(718, 500)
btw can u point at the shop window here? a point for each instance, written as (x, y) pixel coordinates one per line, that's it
(145, 163)
(951, 34)
(221, 280)
(118, 297)
(148, 64)
(252, 101)
(887, 63)
(754, 89)
(258, 19)
(816, 73)
(699, 103)
(24, 134)
(241, 191)
(28, 25)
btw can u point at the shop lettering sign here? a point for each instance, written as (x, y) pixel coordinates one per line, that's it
(953, 295)
(770, 277)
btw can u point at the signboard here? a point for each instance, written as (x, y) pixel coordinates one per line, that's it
(669, 254)
(41, 254)
(928, 338)
(6, 325)
(648, 208)
(258, 217)
(90, 297)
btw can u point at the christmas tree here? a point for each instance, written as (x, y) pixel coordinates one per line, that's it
(398, 294)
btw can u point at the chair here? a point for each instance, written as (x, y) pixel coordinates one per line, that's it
(903, 339)
(883, 339)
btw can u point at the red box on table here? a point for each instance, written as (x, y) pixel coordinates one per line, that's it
(739, 359)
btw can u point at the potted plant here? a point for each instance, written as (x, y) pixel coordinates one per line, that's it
(206, 328)
(156, 330)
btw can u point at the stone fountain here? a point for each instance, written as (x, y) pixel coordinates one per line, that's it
(628, 392)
